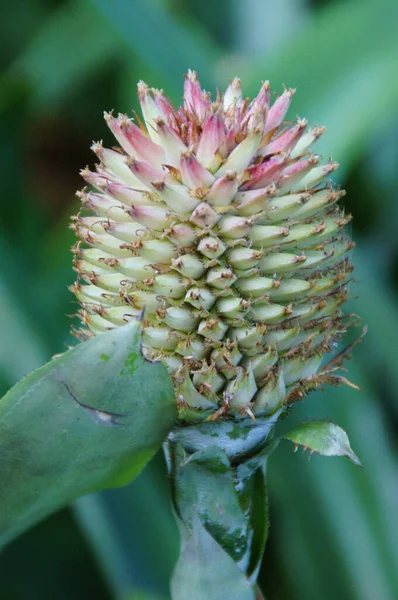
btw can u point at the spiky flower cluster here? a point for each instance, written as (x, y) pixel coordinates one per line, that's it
(217, 221)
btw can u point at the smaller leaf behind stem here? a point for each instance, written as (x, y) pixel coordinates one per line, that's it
(322, 437)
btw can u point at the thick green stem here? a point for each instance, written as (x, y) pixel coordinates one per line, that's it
(220, 503)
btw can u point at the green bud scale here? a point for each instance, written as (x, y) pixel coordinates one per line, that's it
(216, 225)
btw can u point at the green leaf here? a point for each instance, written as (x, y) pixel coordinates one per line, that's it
(87, 420)
(253, 494)
(256, 487)
(205, 481)
(204, 570)
(231, 502)
(323, 437)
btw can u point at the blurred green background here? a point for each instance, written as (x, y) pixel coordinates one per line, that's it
(334, 528)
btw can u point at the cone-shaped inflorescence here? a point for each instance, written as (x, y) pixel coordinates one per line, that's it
(217, 223)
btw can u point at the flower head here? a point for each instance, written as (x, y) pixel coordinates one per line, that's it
(219, 222)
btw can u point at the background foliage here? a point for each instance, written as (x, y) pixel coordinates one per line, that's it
(334, 528)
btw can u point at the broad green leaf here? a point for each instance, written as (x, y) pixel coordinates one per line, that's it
(87, 420)
(324, 438)
(204, 570)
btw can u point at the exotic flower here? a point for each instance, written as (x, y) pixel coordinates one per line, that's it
(216, 224)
